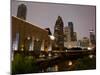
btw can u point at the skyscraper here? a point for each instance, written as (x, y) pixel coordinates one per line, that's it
(22, 10)
(92, 37)
(70, 25)
(74, 36)
(85, 42)
(67, 34)
(58, 33)
(70, 37)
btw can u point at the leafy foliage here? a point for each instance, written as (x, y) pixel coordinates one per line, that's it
(86, 63)
(23, 64)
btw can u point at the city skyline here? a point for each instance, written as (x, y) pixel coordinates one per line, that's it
(44, 15)
(50, 37)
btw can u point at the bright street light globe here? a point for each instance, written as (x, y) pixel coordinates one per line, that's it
(52, 37)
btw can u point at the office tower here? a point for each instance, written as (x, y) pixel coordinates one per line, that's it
(79, 43)
(67, 38)
(85, 42)
(74, 36)
(70, 25)
(92, 37)
(67, 34)
(22, 10)
(58, 33)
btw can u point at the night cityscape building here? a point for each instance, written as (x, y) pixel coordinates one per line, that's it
(22, 11)
(74, 36)
(92, 37)
(67, 34)
(30, 36)
(70, 37)
(58, 33)
(70, 25)
(35, 49)
(85, 42)
(78, 43)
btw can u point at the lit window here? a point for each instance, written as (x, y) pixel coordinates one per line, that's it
(15, 42)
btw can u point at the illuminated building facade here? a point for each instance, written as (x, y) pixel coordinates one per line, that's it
(70, 37)
(67, 34)
(28, 36)
(85, 42)
(92, 37)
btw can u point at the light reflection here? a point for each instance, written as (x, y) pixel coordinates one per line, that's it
(15, 42)
(66, 50)
(15, 46)
(28, 38)
(31, 46)
(91, 56)
(49, 55)
(70, 63)
(22, 47)
(56, 67)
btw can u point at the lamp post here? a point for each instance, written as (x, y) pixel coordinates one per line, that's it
(52, 38)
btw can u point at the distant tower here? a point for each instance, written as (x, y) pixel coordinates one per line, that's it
(58, 33)
(65, 34)
(70, 25)
(22, 10)
(67, 37)
(85, 42)
(75, 36)
(92, 37)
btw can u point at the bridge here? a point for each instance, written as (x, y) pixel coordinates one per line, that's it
(50, 58)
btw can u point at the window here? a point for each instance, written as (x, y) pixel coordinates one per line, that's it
(15, 42)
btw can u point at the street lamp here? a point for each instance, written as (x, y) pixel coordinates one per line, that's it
(52, 38)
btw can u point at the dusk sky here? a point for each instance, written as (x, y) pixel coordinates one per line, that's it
(45, 15)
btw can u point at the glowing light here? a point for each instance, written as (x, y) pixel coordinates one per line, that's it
(91, 56)
(15, 45)
(37, 39)
(66, 50)
(56, 67)
(70, 63)
(22, 47)
(89, 48)
(28, 38)
(49, 55)
(69, 46)
(52, 37)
